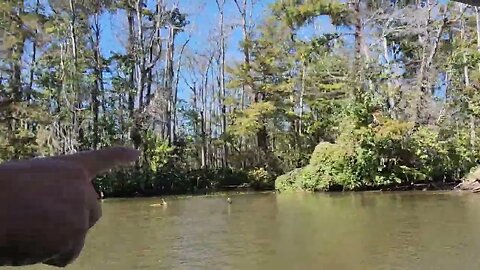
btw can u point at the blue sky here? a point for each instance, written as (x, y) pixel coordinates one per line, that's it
(204, 18)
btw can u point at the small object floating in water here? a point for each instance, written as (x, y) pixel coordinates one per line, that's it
(100, 196)
(163, 203)
(229, 200)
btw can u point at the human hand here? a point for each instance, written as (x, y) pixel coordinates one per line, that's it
(47, 205)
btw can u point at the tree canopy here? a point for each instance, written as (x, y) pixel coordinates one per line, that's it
(322, 94)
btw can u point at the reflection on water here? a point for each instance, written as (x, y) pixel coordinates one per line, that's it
(296, 231)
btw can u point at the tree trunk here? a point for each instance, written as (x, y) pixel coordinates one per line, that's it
(140, 54)
(77, 102)
(204, 151)
(98, 77)
(159, 9)
(472, 117)
(357, 88)
(302, 93)
(175, 92)
(262, 134)
(427, 61)
(168, 83)
(131, 82)
(34, 60)
(221, 5)
(242, 9)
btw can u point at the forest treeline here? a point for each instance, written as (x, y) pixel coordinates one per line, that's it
(381, 92)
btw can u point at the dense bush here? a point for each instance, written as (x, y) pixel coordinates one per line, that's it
(289, 181)
(172, 180)
(261, 178)
(389, 153)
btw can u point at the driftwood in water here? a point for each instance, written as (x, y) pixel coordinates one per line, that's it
(471, 182)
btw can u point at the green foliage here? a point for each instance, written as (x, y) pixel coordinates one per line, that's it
(250, 120)
(391, 153)
(261, 178)
(297, 13)
(158, 151)
(172, 180)
(288, 181)
(401, 106)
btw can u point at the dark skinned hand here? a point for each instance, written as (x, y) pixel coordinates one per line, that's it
(47, 205)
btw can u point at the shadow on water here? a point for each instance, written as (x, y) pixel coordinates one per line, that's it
(371, 230)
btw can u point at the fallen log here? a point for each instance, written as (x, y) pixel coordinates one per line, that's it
(471, 182)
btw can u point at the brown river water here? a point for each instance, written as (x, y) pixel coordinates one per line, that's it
(370, 231)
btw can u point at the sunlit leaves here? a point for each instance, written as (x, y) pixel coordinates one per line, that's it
(250, 120)
(298, 12)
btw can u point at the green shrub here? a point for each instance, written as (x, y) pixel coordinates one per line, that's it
(261, 178)
(390, 153)
(288, 181)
